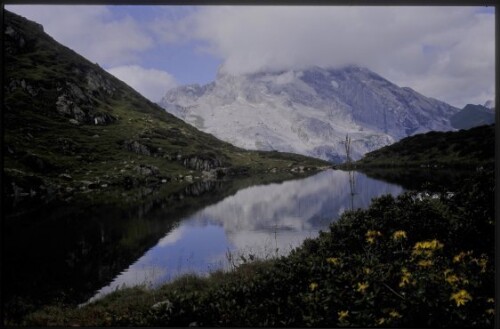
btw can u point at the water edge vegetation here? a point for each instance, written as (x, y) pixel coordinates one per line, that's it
(420, 259)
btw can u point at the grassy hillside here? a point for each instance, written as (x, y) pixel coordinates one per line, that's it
(70, 127)
(461, 149)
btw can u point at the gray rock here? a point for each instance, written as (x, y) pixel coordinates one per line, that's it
(147, 170)
(137, 147)
(66, 107)
(199, 162)
(96, 82)
(66, 177)
(103, 119)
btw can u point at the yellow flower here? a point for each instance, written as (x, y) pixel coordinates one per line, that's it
(432, 245)
(313, 286)
(362, 286)
(371, 235)
(405, 277)
(333, 260)
(425, 263)
(395, 314)
(343, 315)
(426, 248)
(381, 321)
(367, 270)
(399, 235)
(460, 257)
(490, 300)
(490, 311)
(482, 262)
(461, 297)
(451, 278)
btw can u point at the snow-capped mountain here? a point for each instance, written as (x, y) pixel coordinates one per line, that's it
(308, 111)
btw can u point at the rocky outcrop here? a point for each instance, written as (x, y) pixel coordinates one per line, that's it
(23, 84)
(18, 43)
(201, 162)
(65, 106)
(75, 103)
(98, 83)
(76, 93)
(139, 148)
(102, 119)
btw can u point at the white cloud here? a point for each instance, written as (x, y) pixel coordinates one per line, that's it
(442, 52)
(172, 23)
(92, 31)
(151, 83)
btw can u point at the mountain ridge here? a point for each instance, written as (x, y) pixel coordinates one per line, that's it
(308, 111)
(472, 116)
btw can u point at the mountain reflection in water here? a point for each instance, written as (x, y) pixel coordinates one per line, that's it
(263, 220)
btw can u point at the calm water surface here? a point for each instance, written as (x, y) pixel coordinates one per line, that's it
(263, 220)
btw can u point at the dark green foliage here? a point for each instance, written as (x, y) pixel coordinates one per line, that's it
(418, 260)
(462, 149)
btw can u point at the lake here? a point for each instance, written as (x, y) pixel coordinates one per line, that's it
(75, 254)
(262, 221)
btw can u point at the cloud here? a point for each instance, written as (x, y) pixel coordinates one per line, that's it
(151, 83)
(172, 24)
(443, 52)
(438, 51)
(92, 31)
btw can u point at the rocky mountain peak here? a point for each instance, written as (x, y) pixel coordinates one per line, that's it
(308, 111)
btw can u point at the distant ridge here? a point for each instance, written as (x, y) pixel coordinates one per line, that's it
(473, 116)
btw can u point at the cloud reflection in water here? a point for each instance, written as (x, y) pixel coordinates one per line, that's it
(264, 220)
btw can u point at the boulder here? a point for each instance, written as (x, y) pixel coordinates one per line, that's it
(66, 177)
(137, 147)
(147, 170)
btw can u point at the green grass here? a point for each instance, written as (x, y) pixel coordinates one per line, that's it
(414, 260)
(461, 149)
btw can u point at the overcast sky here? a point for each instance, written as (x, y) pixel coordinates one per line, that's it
(443, 52)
